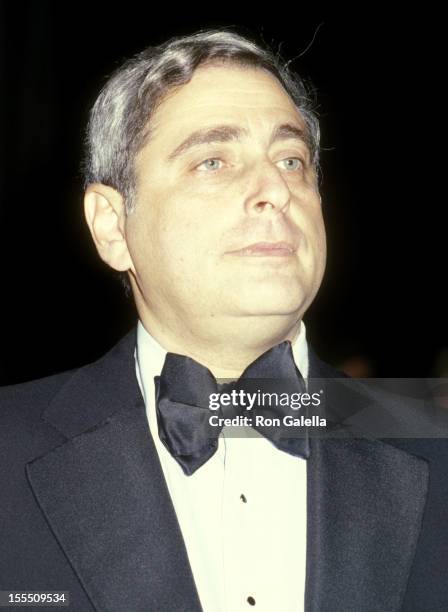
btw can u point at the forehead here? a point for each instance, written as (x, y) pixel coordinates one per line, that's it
(252, 97)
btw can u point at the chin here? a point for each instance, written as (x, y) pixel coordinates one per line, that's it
(279, 295)
(272, 304)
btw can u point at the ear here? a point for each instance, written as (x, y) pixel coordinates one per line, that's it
(105, 214)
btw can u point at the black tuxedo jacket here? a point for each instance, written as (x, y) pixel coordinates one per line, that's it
(84, 506)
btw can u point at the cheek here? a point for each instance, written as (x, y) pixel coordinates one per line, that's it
(320, 250)
(318, 235)
(176, 241)
(194, 220)
(315, 243)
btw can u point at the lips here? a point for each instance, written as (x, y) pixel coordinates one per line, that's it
(265, 249)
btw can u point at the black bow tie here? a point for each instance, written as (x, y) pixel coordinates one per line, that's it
(183, 392)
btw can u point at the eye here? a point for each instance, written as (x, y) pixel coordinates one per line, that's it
(212, 163)
(292, 163)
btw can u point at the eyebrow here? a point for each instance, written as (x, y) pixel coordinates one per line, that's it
(228, 133)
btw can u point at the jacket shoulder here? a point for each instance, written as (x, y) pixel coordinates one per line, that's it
(23, 433)
(31, 397)
(24, 406)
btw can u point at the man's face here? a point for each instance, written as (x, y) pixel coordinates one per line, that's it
(228, 216)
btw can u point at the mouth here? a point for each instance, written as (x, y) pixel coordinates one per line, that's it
(265, 249)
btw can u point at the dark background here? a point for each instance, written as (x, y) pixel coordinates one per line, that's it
(378, 77)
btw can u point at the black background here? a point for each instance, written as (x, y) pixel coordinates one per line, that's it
(379, 79)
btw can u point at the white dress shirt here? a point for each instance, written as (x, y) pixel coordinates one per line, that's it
(242, 514)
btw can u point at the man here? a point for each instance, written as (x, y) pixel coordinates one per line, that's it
(202, 189)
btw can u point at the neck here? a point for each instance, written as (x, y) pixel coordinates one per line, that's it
(228, 354)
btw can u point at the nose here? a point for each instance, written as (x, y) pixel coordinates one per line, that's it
(268, 191)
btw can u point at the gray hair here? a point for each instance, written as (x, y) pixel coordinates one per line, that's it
(119, 124)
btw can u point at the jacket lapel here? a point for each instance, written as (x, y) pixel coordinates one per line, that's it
(104, 495)
(365, 506)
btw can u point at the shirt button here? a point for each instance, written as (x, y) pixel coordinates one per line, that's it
(251, 600)
(243, 498)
